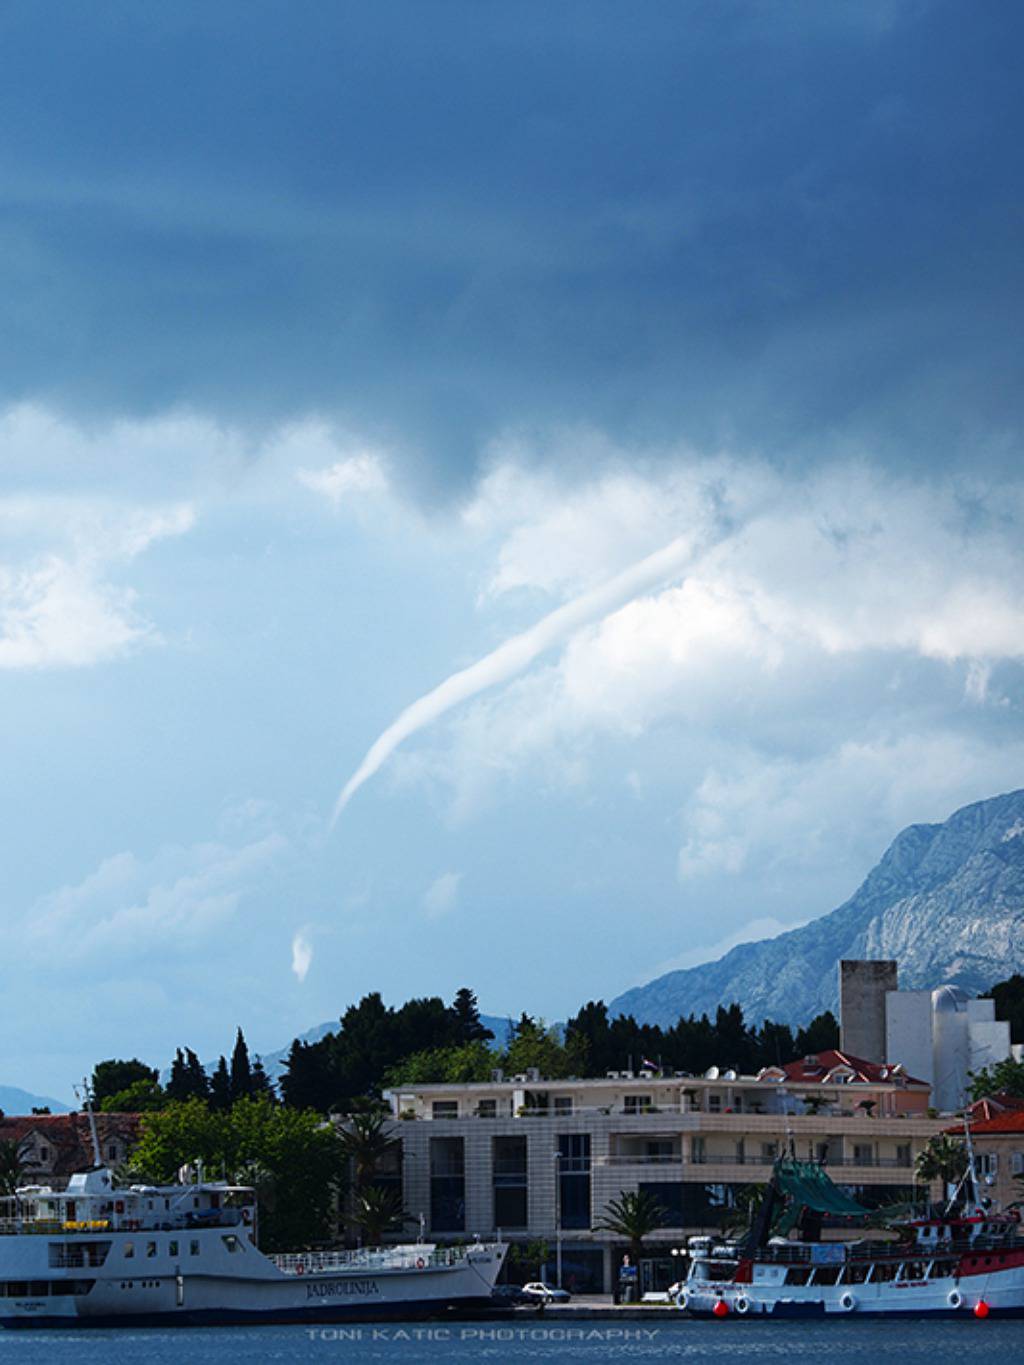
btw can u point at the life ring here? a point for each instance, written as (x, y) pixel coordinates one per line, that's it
(420, 1263)
(300, 1268)
(955, 1299)
(847, 1303)
(742, 1305)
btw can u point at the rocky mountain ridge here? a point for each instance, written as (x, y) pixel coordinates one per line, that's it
(946, 900)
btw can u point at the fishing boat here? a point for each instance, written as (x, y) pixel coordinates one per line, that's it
(100, 1254)
(962, 1258)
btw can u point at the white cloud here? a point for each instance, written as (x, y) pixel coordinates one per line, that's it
(59, 607)
(131, 909)
(355, 475)
(442, 895)
(302, 954)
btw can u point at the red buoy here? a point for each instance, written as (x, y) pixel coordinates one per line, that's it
(981, 1309)
(721, 1309)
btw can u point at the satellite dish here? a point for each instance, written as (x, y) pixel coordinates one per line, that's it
(711, 1074)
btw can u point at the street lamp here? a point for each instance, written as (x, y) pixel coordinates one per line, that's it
(558, 1219)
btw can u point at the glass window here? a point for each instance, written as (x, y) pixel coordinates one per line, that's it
(445, 1109)
(487, 1109)
(563, 1104)
(193, 1247)
(129, 1250)
(172, 1247)
(151, 1248)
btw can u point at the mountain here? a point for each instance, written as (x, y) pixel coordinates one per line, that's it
(15, 1101)
(947, 901)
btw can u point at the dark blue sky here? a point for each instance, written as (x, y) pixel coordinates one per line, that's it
(793, 228)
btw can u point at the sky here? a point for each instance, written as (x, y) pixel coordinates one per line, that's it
(519, 496)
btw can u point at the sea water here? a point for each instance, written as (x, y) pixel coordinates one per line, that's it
(844, 1342)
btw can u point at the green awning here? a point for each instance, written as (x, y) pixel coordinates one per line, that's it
(807, 1185)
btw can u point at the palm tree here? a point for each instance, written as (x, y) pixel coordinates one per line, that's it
(376, 1211)
(943, 1159)
(366, 1140)
(633, 1217)
(12, 1165)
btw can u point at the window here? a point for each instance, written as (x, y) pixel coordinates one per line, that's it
(698, 1151)
(563, 1105)
(172, 1248)
(487, 1109)
(574, 1180)
(44, 1153)
(509, 1182)
(714, 1104)
(903, 1154)
(151, 1248)
(193, 1247)
(447, 1185)
(231, 1242)
(638, 1104)
(1017, 1163)
(445, 1109)
(769, 1151)
(988, 1163)
(863, 1154)
(112, 1151)
(129, 1250)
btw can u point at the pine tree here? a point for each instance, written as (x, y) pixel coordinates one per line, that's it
(198, 1081)
(220, 1086)
(261, 1084)
(466, 1016)
(241, 1070)
(177, 1084)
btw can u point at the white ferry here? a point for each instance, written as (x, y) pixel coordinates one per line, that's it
(950, 1264)
(98, 1254)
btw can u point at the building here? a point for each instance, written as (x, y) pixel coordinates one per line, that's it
(54, 1146)
(941, 1035)
(999, 1155)
(534, 1159)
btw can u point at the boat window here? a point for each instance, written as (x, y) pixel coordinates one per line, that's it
(193, 1247)
(231, 1242)
(129, 1250)
(172, 1247)
(151, 1248)
(797, 1274)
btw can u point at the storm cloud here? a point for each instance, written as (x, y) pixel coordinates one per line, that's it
(793, 228)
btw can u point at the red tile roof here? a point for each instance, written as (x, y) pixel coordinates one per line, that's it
(1009, 1121)
(817, 1069)
(69, 1135)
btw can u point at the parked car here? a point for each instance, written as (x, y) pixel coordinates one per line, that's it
(545, 1293)
(508, 1295)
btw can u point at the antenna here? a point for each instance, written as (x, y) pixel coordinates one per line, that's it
(85, 1095)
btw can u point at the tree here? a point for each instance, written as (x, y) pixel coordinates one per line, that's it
(1009, 1000)
(466, 1017)
(366, 1140)
(632, 1217)
(1002, 1078)
(943, 1158)
(820, 1035)
(188, 1079)
(375, 1211)
(112, 1076)
(220, 1086)
(138, 1098)
(241, 1069)
(294, 1159)
(454, 1065)
(534, 1044)
(12, 1165)
(260, 1082)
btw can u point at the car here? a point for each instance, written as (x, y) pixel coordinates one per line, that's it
(545, 1293)
(508, 1295)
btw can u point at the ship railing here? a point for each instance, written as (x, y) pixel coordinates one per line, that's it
(377, 1259)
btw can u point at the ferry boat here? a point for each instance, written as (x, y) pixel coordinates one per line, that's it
(99, 1254)
(959, 1260)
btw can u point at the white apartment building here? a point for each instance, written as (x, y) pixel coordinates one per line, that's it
(534, 1159)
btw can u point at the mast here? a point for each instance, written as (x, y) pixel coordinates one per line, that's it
(86, 1094)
